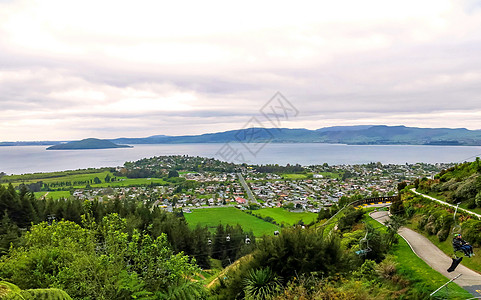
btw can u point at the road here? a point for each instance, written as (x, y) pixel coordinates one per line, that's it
(433, 256)
(247, 189)
(445, 203)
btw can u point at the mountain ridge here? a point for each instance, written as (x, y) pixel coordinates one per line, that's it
(352, 135)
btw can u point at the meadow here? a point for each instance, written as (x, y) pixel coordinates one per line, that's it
(211, 217)
(80, 176)
(283, 216)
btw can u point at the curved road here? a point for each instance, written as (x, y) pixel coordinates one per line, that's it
(427, 251)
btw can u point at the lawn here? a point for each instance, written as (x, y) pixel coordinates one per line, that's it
(281, 215)
(211, 217)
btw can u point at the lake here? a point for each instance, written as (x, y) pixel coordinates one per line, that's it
(30, 159)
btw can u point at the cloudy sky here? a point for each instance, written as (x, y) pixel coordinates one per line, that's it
(106, 69)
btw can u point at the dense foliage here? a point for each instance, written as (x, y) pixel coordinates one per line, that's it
(461, 183)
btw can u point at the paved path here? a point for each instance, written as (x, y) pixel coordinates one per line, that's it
(433, 256)
(445, 203)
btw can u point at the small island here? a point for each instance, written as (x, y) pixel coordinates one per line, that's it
(87, 144)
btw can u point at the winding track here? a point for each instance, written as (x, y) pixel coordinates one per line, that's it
(433, 256)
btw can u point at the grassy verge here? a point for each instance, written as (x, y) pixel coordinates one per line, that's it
(423, 278)
(474, 263)
(211, 217)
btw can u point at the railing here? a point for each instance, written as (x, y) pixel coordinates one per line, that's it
(374, 200)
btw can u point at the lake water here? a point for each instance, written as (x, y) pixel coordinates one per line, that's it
(29, 159)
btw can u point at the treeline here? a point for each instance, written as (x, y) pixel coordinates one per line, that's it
(100, 261)
(21, 209)
(40, 186)
(297, 168)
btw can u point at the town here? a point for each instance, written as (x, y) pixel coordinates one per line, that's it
(314, 188)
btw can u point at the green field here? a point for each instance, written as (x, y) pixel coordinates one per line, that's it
(294, 176)
(53, 195)
(73, 176)
(211, 217)
(281, 215)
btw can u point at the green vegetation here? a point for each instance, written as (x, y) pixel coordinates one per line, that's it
(425, 280)
(283, 216)
(71, 179)
(211, 217)
(9, 291)
(461, 183)
(435, 221)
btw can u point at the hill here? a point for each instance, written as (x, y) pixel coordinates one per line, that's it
(351, 135)
(87, 144)
(461, 183)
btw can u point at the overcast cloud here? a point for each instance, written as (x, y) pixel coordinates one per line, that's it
(106, 69)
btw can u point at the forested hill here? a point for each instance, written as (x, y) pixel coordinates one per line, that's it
(87, 144)
(352, 135)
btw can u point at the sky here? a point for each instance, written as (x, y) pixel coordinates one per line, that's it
(106, 69)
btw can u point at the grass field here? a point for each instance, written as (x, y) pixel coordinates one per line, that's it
(53, 195)
(211, 217)
(281, 215)
(72, 177)
(294, 176)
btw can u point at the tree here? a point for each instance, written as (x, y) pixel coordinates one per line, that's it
(97, 180)
(173, 173)
(401, 185)
(107, 178)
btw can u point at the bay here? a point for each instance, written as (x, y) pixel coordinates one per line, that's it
(31, 159)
